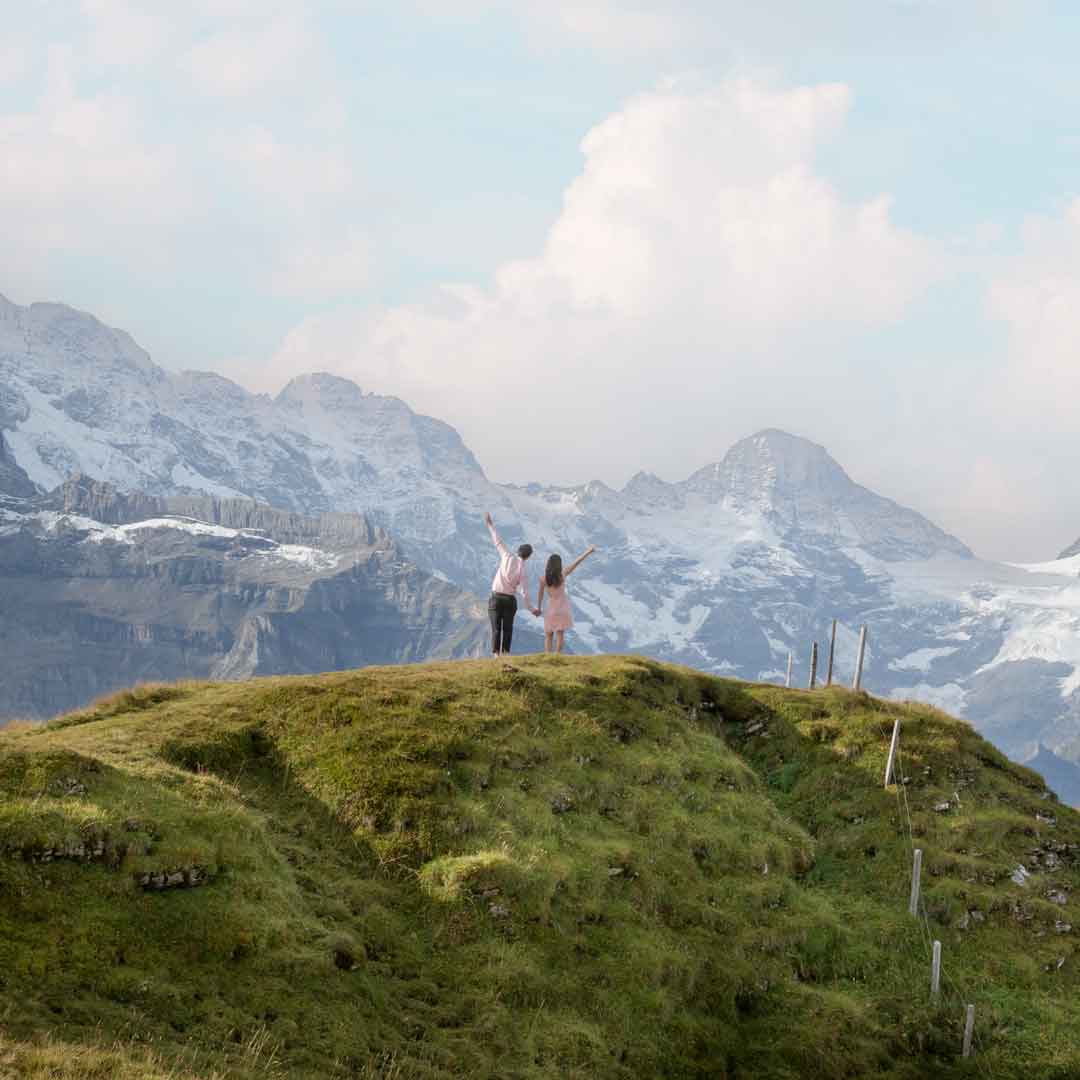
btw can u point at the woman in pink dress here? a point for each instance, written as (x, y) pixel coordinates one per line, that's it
(557, 615)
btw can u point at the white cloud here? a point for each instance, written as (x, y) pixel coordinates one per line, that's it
(242, 60)
(76, 170)
(288, 175)
(303, 197)
(324, 267)
(1037, 296)
(698, 250)
(127, 34)
(735, 28)
(87, 170)
(14, 60)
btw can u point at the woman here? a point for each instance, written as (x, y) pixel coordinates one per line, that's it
(557, 617)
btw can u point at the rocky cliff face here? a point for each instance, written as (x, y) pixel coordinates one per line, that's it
(13, 481)
(101, 589)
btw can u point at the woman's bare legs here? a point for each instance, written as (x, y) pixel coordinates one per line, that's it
(547, 640)
(560, 637)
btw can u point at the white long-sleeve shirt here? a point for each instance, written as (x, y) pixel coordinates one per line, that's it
(511, 575)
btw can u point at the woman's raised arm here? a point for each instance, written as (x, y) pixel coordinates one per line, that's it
(577, 562)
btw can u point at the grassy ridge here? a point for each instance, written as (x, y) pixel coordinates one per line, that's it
(560, 867)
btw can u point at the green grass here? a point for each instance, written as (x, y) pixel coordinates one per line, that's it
(571, 867)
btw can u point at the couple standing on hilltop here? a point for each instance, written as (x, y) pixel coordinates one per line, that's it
(511, 577)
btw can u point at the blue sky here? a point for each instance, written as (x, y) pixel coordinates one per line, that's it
(596, 237)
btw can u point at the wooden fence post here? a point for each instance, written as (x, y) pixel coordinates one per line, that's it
(813, 666)
(969, 1026)
(935, 970)
(916, 876)
(832, 653)
(788, 683)
(857, 684)
(892, 751)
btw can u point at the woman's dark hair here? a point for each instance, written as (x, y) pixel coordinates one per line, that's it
(553, 571)
(524, 551)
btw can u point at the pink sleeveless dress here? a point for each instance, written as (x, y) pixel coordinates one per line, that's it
(557, 615)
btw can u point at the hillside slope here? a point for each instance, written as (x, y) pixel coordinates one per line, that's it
(573, 867)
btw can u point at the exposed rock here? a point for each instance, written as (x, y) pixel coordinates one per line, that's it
(184, 877)
(970, 917)
(94, 601)
(68, 787)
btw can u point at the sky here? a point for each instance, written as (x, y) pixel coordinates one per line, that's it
(596, 237)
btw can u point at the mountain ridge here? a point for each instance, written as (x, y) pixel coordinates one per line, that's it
(747, 560)
(101, 588)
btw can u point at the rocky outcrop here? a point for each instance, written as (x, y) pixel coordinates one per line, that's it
(103, 589)
(13, 480)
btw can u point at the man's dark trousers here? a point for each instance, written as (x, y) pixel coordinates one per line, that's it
(501, 611)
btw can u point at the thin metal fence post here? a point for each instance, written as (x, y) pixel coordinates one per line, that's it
(892, 751)
(969, 1026)
(857, 684)
(916, 877)
(832, 654)
(935, 970)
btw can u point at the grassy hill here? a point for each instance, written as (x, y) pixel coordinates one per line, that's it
(559, 867)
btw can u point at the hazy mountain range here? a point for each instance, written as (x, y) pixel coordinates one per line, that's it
(747, 559)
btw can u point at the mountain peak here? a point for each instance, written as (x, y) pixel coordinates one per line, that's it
(320, 388)
(802, 488)
(63, 336)
(648, 489)
(772, 465)
(785, 463)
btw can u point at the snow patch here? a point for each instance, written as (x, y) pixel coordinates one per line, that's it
(921, 659)
(307, 557)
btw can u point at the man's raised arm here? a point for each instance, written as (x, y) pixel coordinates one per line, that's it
(494, 535)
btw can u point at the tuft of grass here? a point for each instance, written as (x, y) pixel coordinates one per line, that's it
(579, 867)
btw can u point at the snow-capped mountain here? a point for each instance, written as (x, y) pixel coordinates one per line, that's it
(79, 398)
(747, 559)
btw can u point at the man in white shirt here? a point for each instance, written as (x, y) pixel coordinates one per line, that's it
(509, 578)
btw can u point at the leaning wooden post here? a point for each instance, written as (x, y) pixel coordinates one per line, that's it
(916, 876)
(788, 683)
(969, 1027)
(813, 666)
(935, 970)
(857, 684)
(832, 653)
(892, 751)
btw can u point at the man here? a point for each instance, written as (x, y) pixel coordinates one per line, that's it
(511, 576)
